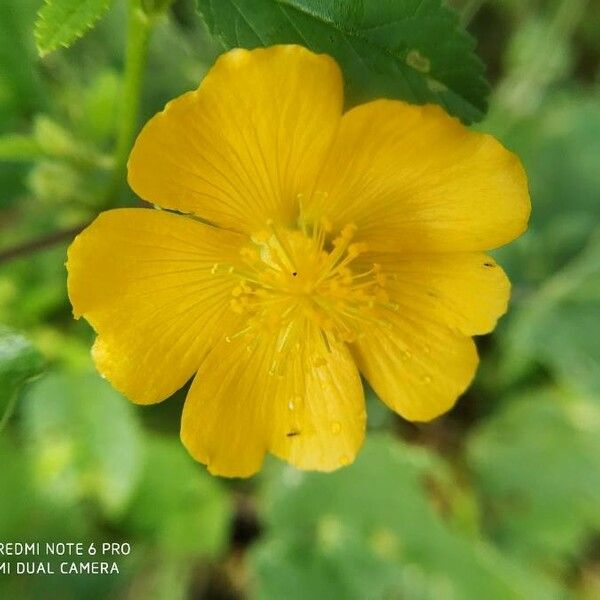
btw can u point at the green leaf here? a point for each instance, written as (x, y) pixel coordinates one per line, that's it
(99, 103)
(33, 288)
(25, 514)
(536, 464)
(48, 140)
(373, 530)
(21, 88)
(61, 22)
(84, 440)
(19, 362)
(557, 325)
(56, 182)
(54, 139)
(413, 50)
(559, 146)
(178, 505)
(17, 148)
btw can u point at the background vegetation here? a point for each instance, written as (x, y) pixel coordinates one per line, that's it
(498, 499)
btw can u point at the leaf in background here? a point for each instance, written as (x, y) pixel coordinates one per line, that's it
(56, 182)
(99, 106)
(24, 91)
(536, 464)
(19, 361)
(21, 88)
(413, 50)
(178, 505)
(33, 289)
(61, 22)
(25, 514)
(557, 325)
(17, 148)
(84, 439)
(372, 531)
(559, 147)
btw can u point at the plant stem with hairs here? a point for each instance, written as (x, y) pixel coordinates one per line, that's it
(138, 33)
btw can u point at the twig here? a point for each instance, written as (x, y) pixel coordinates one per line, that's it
(40, 243)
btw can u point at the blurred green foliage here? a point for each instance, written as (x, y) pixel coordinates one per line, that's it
(498, 499)
(19, 362)
(347, 534)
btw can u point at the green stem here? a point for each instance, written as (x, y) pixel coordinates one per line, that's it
(139, 25)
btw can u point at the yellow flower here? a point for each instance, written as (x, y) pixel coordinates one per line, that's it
(321, 245)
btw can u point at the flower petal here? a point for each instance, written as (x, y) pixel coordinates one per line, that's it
(143, 280)
(239, 150)
(414, 179)
(466, 292)
(418, 368)
(309, 414)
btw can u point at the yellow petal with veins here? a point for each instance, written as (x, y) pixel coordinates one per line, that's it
(308, 409)
(143, 279)
(240, 149)
(417, 367)
(466, 292)
(413, 179)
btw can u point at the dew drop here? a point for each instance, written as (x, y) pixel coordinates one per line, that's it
(295, 402)
(336, 428)
(426, 379)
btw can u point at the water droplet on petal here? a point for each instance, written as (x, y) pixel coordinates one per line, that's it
(426, 379)
(295, 403)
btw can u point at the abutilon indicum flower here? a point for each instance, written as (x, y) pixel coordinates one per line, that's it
(297, 247)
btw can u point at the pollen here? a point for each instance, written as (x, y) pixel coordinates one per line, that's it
(308, 274)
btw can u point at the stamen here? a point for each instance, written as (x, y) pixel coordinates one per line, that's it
(289, 279)
(284, 252)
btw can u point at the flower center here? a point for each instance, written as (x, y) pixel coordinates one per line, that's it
(295, 277)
